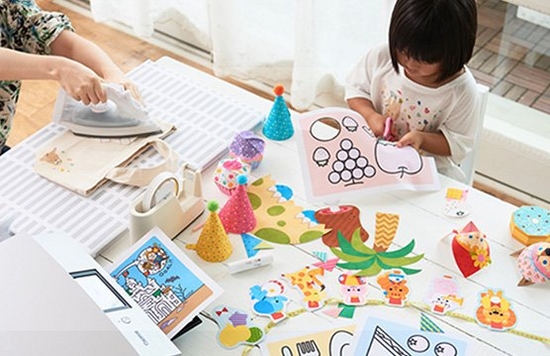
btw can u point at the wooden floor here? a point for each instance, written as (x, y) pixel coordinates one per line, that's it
(512, 56)
(37, 98)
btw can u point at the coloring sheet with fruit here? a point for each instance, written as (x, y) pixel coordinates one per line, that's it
(341, 156)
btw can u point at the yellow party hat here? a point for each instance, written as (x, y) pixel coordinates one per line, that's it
(213, 244)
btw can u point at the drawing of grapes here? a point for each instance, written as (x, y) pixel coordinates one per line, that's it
(350, 167)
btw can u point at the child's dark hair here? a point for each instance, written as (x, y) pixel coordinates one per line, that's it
(434, 31)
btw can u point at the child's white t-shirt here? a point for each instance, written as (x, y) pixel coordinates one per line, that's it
(451, 108)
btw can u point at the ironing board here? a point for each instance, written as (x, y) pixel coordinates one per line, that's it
(206, 122)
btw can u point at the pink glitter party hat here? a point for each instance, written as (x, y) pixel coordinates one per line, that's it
(237, 215)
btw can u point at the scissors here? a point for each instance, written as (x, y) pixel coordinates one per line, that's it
(387, 135)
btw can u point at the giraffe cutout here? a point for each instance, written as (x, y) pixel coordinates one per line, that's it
(312, 289)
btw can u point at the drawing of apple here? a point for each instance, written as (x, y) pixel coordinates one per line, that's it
(397, 160)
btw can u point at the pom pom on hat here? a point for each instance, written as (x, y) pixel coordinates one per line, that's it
(242, 179)
(213, 244)
(212, 206)
(279, 89)
(237, 215)
(278, 125)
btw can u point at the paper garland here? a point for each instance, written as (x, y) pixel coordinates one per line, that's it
(394, 285)
(268, 300)
(495, 311)
(236, 327)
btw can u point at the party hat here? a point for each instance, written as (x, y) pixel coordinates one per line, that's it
(278, 125)
(213, 244)
(236, 215)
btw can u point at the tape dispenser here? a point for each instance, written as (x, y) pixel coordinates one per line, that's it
(168, 203)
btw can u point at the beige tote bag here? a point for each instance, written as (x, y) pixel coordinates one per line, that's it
(83, 164)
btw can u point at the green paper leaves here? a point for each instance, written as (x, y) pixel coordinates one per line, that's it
(360, 257)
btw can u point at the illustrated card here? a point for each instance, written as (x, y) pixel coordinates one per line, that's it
(329, 342)
(341, 156)
(166, 284)
(382, 337)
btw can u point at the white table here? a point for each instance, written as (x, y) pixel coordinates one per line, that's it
(421, 219)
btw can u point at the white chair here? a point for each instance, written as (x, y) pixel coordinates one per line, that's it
(468, 165)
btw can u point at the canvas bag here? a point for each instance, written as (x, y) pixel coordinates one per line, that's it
(83, 164)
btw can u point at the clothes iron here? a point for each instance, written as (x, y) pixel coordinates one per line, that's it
(121, 116)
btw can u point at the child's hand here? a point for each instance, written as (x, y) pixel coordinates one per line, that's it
(376, 123)
(413, 138)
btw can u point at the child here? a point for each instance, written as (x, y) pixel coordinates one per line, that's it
(27, 35)
(421, 82)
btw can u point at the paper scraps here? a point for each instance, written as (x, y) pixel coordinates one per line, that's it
(428, 325)
(280, 221)
(327, 265)
(253, 245)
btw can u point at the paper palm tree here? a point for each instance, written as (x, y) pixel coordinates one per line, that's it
(370, 261)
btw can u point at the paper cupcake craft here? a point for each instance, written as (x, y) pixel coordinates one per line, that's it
(248, 147)
(470, 250)
(530, 224)
(227, 171)
(534, 264)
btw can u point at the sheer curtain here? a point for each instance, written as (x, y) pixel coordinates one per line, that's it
(307, 45)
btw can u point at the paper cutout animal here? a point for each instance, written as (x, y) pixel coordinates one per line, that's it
(309, 285)
(395, 287)
(495, 311)
(269, 300)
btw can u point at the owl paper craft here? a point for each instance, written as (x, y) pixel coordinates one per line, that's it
(534, 264)
(470, 249)
(341, 156)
